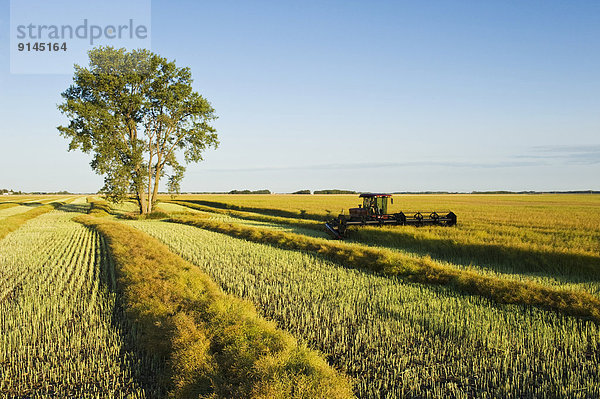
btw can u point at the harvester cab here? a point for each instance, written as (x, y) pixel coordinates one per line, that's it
(373, 205)
(374, 212)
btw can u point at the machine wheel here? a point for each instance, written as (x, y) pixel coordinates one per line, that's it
(452, 218)
(419, 218)
(400, 218)
(342, 228)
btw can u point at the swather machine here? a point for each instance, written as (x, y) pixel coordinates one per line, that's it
(373, 212)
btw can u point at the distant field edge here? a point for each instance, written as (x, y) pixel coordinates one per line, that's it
(422, 270)
(216, 345)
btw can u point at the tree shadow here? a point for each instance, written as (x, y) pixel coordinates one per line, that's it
(34, 204)
(75, 208)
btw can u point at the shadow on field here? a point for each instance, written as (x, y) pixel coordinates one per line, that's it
(32, 204)
(566, 267)
(77, 208)
(264, 211)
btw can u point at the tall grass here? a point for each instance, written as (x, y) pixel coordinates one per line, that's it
(217, 344)
(422, 270)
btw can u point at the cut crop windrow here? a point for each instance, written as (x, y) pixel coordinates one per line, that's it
(422, 270)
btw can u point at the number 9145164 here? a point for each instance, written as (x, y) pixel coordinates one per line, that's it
(42, 46)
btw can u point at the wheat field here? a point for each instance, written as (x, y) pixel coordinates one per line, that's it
(505, 304)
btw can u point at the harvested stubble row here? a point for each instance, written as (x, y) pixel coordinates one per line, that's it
(308, 228)
(422, 270)
(301, 223)
(400, 339)
(15, 209)
(62, 334)
(217, 344)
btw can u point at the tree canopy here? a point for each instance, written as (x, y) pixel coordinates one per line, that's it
(136, 112)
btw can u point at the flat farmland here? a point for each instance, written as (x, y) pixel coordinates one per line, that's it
(546, 237)
(246, 296)
(564, 222)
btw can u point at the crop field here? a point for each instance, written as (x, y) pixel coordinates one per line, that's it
(59, 335)
(396, 338)
(564, 223)
(338, 201)
(248, 297)
(551, 239)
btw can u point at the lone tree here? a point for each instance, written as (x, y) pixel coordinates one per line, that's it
(136, 111)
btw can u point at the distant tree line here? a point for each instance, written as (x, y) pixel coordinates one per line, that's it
(335, 191)
(425, 192)
(250, 192)
(64, 192)
(8, 191)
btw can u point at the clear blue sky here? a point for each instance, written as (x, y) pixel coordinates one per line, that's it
(373, 96)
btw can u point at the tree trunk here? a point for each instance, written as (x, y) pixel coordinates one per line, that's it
(140, 193)
(141, 201)
(155, 190)
(150, 202)
(149, 198)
